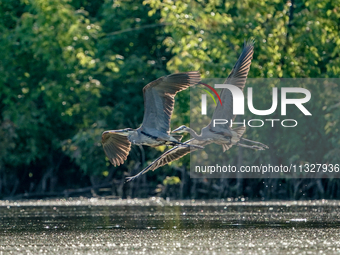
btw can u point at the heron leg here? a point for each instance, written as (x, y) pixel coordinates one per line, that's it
(251, 141)
(254, 147)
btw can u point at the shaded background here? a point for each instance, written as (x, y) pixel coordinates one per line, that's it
(72, 69)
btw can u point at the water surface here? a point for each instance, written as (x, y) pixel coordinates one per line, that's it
(155, 226)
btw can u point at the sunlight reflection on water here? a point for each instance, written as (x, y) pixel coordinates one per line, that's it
(99, 226)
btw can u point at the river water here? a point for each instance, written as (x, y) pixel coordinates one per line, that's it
(156, 226)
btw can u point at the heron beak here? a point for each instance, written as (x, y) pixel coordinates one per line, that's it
(177, 130)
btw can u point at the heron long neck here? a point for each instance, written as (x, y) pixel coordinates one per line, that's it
(193, 133)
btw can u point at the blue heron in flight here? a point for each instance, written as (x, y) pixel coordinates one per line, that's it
(223, 134)
(155, 129)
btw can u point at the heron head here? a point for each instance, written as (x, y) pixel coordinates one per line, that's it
(181, 129)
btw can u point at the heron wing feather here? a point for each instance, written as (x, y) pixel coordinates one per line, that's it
(116, 147)
(237, 77)
(159, 99)
(175, 153)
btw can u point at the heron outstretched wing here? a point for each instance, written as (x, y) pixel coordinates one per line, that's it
(237, 77)
(116, 147)
(173, 154)
(159, 99)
